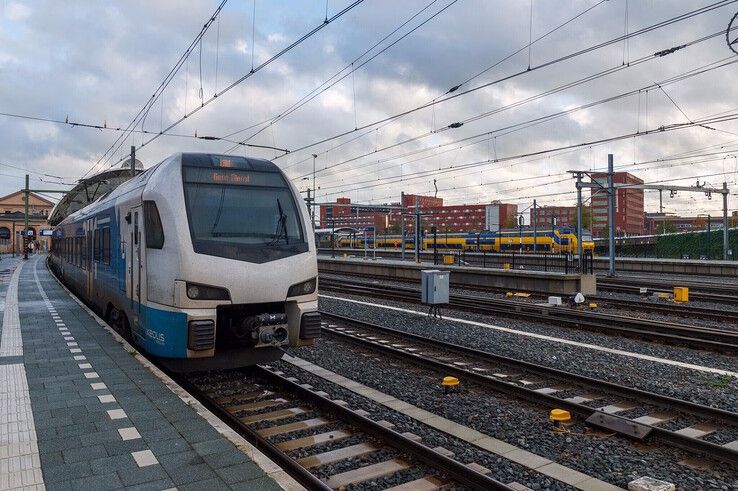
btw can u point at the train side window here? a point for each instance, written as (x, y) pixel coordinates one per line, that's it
(96, 245)
(152, 226)
(84, 244)
(106, 245)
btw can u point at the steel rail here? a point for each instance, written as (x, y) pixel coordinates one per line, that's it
(457, 471)
(629, 287)
(698, 337)
(669, 309)
(681, 441)
(679, 310)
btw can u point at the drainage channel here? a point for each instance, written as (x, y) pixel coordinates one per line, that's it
(321, 442)
(555, 388)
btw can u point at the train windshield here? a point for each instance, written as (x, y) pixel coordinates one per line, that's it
(245, 215)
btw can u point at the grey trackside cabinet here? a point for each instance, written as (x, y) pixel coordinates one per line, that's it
(434, 286)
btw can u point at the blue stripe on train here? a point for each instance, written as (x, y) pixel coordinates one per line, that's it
(163, 332)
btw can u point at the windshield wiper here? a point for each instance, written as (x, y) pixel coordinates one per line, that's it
(281, 231)
(217, 217)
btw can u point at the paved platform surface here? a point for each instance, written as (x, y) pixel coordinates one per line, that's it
(77, 411)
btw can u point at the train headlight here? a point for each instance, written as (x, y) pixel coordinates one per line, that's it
(304, 288)
(204, 292)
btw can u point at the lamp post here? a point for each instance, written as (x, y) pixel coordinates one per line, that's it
(315, 156)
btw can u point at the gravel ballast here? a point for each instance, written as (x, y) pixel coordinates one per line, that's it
(683, 383)
(609, 458)
(501, 469)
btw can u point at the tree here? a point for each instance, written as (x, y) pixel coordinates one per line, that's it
(586, 216)
(511, 221)
(665, 228)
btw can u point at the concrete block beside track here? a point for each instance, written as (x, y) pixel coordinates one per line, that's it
(464, 276)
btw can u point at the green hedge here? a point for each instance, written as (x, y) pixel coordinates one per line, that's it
(695, 244)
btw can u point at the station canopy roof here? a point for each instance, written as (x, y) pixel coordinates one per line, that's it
(91, 189)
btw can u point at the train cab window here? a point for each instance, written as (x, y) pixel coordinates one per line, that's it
(96, 245)
(135, 228)
(106, 245)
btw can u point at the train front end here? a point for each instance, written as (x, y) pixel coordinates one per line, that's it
(242, 269)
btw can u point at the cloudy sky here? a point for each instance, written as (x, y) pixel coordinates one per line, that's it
(99, 62)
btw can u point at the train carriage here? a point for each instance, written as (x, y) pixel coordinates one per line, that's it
(204, 261)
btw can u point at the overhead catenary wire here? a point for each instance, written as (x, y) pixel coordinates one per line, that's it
(456, 87)
(660, 129)
(518, 126)
(119, 129)
(256, 69)
(450, 96)
(316, 93)
(160, 89)
(332, 81)
(534, 121)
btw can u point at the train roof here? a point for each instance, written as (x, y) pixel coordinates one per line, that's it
(89, 190)
(109, 185)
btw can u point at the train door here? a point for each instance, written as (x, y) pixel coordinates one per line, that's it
(135, 261)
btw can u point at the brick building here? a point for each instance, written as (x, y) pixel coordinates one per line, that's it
(674, 223)
(409, 200)
(452, 219)
(628, 206)
(344, 215)
(566, 216)
(12, 220)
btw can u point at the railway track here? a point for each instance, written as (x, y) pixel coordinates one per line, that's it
(666, 308)
(322, 443)
(697, 290)
(671, 309)
(553, 388)
(708, 338)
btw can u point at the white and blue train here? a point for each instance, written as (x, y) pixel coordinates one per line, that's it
(204, 261)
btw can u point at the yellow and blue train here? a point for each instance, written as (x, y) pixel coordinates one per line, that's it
(556, 241)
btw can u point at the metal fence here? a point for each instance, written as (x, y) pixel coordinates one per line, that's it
(557, 263)
(517, 261)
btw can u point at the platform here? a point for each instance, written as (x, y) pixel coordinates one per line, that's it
(464, 276)
(79, 411)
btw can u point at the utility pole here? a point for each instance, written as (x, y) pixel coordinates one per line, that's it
(26, 194)
(661, 201)
(333, 236)
(310, 206)
(535, 227)
(725, 222)
(579, 220)
(417, 229)
(611, 213)
(709, 238)
(133, 160)
(402, 223)
(315, 156)
(520, 228)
